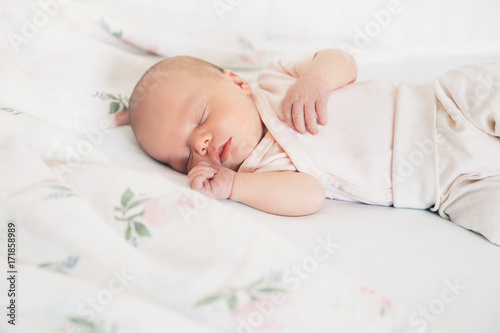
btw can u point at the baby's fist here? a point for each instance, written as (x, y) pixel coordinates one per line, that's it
(215, 181)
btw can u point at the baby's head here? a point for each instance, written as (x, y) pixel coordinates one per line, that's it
(185, 110)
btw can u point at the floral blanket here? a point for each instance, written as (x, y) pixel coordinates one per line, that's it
(114, 250)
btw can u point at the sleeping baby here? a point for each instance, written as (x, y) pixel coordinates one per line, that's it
(309, 131)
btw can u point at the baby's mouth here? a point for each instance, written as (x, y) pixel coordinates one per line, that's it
(224, 151)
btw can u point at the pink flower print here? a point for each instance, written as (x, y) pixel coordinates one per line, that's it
(153, 49)
(122, 118)
(387, 303)
(184, 201)
(366, 290)
(156, 211)
(53, 180)
(129, 38)
(246, 59)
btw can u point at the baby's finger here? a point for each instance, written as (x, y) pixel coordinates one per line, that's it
(310, 118)
(207, 173)
(215, 167)
(207, 188)
(322, 110)
(203, 187)
(199, 176)
(196, 183)
(199, 183)
(196, 171)
(298, 118)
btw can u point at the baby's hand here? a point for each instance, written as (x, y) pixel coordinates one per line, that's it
(215, 181)
(306, 104)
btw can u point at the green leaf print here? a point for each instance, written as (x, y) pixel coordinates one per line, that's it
(128, 232)
(130, 214)
(60, 187)
(141, 229)
(84, 325)
(208, 300)
(11, 111)
(62, 266)
(114, 107)
(271, 290)
(60, 191)
(46, 265)
(126, 196)
(259, 281)
(137, 203)
(130, 218)
(253, 291)
(83, 322)
(232, 301)
(118, 34)
(118, 102)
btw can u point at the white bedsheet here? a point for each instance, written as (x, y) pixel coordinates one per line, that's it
(71, 246)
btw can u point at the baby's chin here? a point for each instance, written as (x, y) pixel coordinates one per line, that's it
(239, 158)
(234, 165)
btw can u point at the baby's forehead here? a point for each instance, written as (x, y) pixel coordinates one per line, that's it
(167, 83)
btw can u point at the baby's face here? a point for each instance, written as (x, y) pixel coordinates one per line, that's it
(190, 118)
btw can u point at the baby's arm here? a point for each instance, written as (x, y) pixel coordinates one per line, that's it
(307, 98)
(283, 193)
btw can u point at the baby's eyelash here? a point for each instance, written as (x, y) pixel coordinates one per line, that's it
(187, 160)
(199, 123)
(202, 115)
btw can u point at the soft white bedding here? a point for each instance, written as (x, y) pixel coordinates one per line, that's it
(80, 267)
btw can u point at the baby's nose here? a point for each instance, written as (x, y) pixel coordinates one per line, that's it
(203, 146)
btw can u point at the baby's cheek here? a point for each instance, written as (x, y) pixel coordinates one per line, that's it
(236, 159)
(237, 154)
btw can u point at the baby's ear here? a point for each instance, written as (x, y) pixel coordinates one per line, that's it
(242, 83)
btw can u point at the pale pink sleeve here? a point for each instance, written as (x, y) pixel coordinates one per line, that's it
(275, 160)
(267, 156)
(280, 74)
(292, 66)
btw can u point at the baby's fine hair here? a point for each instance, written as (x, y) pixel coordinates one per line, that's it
(151, 78)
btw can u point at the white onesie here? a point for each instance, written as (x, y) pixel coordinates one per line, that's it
(431, 146)
(351, 155)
